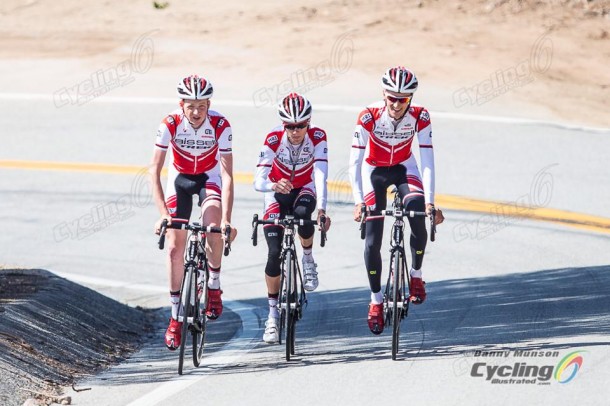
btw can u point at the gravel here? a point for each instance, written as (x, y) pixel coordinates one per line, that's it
(53, 332)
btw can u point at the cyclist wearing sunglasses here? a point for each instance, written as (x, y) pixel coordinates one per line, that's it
(202, 165)
(381, 156)
(292, 171)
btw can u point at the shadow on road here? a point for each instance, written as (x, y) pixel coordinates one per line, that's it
(551, 309)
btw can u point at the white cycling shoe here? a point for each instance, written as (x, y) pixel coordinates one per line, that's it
(271, 330)
(310, 275)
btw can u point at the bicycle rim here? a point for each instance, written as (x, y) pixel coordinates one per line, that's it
(202, 321)
(289, 311)
(396, 297)
(185, 300)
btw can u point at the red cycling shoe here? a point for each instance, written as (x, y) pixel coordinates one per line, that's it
(214, 307)
(375, 318)
(417, 291)
(172, 334)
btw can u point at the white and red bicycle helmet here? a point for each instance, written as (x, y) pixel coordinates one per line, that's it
(194, 88)
(294, 108)
(399, 80)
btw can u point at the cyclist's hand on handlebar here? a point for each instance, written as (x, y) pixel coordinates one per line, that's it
(223, 226)
(160, 221)
(438, 218)
(322, 213)
(283, 186)
(359, 210)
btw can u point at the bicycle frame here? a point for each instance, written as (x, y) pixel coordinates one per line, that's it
(292, 292)
(398, 259)
(396, 297)
(192, 305)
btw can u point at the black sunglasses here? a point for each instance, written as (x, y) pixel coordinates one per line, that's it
(292, 127)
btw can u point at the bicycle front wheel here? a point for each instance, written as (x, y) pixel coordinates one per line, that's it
(397, 288)
(290, 300)
(187, 308)
(200, 321)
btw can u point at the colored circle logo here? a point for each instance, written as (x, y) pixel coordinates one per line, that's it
(568, 367)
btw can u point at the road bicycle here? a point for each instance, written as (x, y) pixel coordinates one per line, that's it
(396, 297)
(292, 298)
(194, 289)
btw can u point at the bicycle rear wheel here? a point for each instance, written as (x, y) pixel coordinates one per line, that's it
(200, 320)
(185, 300)
(396, 293)
(290, 299)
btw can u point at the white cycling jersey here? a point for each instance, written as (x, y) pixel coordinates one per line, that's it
(195, 151)
(301, 164)
(380, 141)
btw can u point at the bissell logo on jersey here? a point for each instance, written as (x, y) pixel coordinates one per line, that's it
(398, 135)
(194, 144)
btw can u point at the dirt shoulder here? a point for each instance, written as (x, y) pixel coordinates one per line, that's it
(53, 332)
(537, 59)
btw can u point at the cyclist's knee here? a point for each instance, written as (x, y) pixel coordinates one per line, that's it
(306, 232)
(302, 212)
(176, 254)
(415, 202)
(273, 267)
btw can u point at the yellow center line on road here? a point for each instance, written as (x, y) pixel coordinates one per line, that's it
(497, 212)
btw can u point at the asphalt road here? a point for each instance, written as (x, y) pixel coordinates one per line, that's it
(495, 283)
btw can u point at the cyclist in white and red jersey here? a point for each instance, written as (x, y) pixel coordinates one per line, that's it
(292, 170)
(201, 164)
(381, 156)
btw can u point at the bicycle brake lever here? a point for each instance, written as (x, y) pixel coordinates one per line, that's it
(162, 232)
(433, 224)
(363, 222)
(322, 231)
(227, 240)
(254, 230)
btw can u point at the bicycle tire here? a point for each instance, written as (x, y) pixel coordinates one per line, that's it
(396, 297)
(297, 306)
(289, 300)
(185, 300)
(200, 330)
(282, 309)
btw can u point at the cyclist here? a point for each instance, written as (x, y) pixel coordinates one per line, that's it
(292, 170)
(201, 164)
(381, 156)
